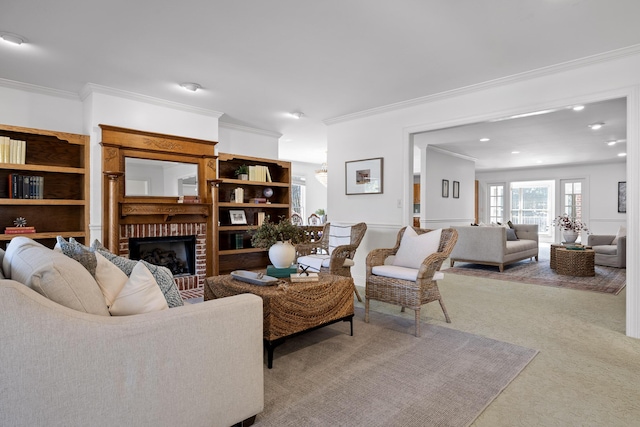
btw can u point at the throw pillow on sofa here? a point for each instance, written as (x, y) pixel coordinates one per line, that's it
(53, 275)
(163, 275)
(140, 294)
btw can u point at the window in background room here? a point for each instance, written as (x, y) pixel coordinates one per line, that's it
(572, 199)
(532, 203)
(298, 195)
(496, 203)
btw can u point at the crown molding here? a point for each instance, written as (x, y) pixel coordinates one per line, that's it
(12, 84)
(242, 128)
(91, 88)
(451, 153)
(502, 81)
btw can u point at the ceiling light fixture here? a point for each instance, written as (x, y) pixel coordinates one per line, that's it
(577, 107)
(515, 152)
(484, 139)
(611, 143)
(322, 175)
(12, 38)
(296, 115)
(622, 154)
(192, 87)
(596, 126)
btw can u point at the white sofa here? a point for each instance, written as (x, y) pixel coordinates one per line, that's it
(196, 365)
(489, 245)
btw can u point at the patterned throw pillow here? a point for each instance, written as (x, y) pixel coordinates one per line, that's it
(162, 274)
(75, 250)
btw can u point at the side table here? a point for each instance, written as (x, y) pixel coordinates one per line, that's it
(575, 263)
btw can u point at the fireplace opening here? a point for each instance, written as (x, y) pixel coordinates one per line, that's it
(177, 253)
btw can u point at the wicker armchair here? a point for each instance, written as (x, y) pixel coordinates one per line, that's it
(409, 293)
(334, 259)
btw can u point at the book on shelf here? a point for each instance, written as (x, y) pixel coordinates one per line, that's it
(12, 150)
(256, 200)
(259, 173)
(281, 272)
(25, 186)
(19, 230)
(260, 217)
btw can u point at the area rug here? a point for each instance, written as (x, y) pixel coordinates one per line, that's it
(385, 376)
(607, 279)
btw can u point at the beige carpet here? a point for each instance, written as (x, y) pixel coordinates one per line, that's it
(385, 376)
(607, 279)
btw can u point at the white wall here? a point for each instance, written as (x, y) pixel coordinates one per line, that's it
(316, 192)
(388, 133)
(247, 141)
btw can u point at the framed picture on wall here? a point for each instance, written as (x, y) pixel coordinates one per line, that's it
(456, 189)
(363, 176)
(445, 188)
(622, 196)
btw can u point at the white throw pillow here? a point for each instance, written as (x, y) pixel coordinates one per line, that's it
(140, 294)
(622, 232)
(110, 278)
(415, 248)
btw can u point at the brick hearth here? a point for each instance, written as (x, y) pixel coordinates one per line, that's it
(184, 283)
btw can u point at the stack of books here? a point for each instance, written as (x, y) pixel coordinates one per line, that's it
(26, 186)
(19, 230)
(259, 173)
(12, 150)
(281, 272)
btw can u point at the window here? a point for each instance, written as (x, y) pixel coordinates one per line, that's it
(532, 203)
(298, 195)
(572, 199)
(496, 203)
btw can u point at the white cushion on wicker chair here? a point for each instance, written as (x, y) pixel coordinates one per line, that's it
(415, 248)
(402, 273)
(316, 261)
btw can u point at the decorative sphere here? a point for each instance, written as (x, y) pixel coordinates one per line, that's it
(268, 192)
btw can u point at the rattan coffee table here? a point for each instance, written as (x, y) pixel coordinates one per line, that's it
(575, 262)
(292, 308)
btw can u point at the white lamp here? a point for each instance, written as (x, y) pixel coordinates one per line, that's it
(190, 86)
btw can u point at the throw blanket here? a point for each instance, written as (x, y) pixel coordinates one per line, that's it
(314, 262)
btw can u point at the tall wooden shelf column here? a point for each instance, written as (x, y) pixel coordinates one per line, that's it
(62, 159)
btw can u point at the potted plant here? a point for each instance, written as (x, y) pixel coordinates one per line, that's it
(242, 172)
(570, 227)
(279, 238)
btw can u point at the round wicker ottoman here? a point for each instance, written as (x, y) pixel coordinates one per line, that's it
(575, 263)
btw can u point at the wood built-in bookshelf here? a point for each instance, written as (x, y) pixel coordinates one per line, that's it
(234, 240)
(62, 160)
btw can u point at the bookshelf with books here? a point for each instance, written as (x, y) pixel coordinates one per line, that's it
(266, 194)
(45, 181)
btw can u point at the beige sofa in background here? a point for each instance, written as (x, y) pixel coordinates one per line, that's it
(196, 365)
(489, 245)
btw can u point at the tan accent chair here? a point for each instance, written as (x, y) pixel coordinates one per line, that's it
(409, 292)
(333, 254)
(608, 253)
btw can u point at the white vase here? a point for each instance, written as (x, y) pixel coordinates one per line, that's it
(282, 254)
(570, 236)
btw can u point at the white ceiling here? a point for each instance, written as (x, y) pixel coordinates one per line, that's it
(561, 136)
(258, 60)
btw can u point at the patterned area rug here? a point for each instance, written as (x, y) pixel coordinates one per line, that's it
(607, 279)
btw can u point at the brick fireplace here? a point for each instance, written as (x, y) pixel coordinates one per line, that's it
(198, 230)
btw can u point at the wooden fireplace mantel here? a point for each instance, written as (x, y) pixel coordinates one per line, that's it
(119, 209)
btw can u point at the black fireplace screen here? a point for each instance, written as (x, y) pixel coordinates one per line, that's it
(177, 253)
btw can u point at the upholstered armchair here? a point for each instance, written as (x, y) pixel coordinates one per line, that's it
(608, 252)
(334, 252)
(407, 274)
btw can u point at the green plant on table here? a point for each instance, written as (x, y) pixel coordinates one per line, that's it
(269, 233)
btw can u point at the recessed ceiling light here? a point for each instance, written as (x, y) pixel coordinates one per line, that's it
(12, 38)
(484, 139)
(577, 107)
(622, 154)
(192, 87)
(515, 152)
(596, 126)
(611, 143)
(296, 115)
